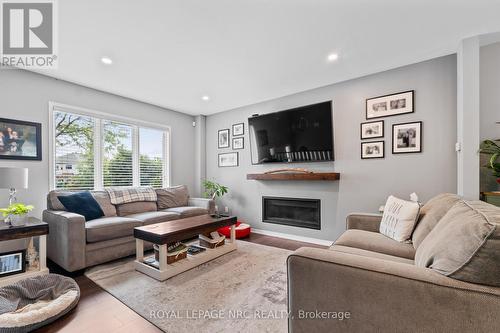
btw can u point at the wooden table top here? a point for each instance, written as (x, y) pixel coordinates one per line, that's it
(33, 227)
(182, 229)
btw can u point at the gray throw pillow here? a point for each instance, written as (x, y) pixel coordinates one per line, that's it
(170, 197)
(465, 244)
(430, 214)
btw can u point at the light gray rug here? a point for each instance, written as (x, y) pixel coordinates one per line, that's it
(242, 291)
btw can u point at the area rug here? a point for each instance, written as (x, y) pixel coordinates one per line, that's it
(242, 291)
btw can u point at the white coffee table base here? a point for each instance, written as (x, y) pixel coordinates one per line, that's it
(167, 271)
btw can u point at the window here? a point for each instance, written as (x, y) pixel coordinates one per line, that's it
(151, 157)
(96, 151)
(117, 168)
(74, 144)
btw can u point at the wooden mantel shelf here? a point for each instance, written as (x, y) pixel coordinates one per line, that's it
(330, 176)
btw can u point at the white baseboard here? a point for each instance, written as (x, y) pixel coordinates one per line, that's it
(293, 237)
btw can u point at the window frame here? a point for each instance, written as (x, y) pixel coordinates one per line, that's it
(99, 117)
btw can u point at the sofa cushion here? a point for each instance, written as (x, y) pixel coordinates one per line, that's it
(187, 211)
(369, 254)
(154, 217)
(465, 244)
(170, 197)
(82, 203)
(399, 219)
(374, 241)
(107, 228)
(135, 207)
(102, 198)
(430, 214)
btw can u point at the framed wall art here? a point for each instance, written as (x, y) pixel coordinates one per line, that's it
(407, 138)
(390, 105)
(372, 130)
(20, 140)
(375, 149)
(228, 160)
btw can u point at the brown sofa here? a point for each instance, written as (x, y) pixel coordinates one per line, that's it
(74, 243)
(367, 282)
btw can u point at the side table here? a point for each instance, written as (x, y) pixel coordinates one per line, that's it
(33, 228)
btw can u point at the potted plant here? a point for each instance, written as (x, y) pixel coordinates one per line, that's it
(492, 147)
(16, 213)
(214, 190)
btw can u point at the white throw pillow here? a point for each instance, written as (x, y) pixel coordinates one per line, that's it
(399, 219)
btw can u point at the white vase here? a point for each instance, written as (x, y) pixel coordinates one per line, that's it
(18, 220)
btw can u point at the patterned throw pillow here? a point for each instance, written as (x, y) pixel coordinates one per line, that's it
(399, 219)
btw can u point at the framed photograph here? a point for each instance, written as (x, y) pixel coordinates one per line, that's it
(375, 149)
(223, 138)
(238, 129)
(390, 105)
(372, 130)
(407, 138)
(12, 263)
(228, 160)
(238, 143)
(20, 140)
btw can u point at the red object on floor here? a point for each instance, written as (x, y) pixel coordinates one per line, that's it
(242, 230)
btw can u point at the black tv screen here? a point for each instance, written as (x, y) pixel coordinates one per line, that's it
(303, 134)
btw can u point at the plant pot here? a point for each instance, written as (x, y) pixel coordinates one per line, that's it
(18, 220)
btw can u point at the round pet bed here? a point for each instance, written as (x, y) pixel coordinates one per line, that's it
(34, 302)
(242, 230)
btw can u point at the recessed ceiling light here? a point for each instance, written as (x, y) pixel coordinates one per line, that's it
(333, 57)
(205, 98)
(106, 60)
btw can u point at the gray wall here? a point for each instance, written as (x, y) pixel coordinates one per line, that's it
(490, 105)
(25, 96)
(364, 184)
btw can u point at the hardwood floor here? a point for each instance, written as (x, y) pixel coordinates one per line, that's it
(99, 312)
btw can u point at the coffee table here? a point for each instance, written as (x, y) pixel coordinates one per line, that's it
(179, 230)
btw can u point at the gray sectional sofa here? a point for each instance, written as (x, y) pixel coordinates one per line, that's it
(74, 243)
(446, 280)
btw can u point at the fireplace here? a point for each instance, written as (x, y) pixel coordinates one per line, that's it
(304, 213)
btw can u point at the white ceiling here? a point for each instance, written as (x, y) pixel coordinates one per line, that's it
(240, 52)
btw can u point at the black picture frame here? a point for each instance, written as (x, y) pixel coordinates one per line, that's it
(242, 129)
(242, 142)
(412, 92)
(38, 139)
(219, 133)
(23, 262)
(228, 166)
(372, 137)
(420, 140)
(372, 158)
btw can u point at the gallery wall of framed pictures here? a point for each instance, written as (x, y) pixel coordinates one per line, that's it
(406, 137)
(230, 138)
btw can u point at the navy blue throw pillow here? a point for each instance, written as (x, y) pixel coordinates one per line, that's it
(82, 203)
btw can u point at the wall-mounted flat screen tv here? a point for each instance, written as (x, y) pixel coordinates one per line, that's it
(303, 134)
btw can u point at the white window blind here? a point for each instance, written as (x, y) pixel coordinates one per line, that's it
(74, 151)
(92, 152)
(151, 161)
(117, 164)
